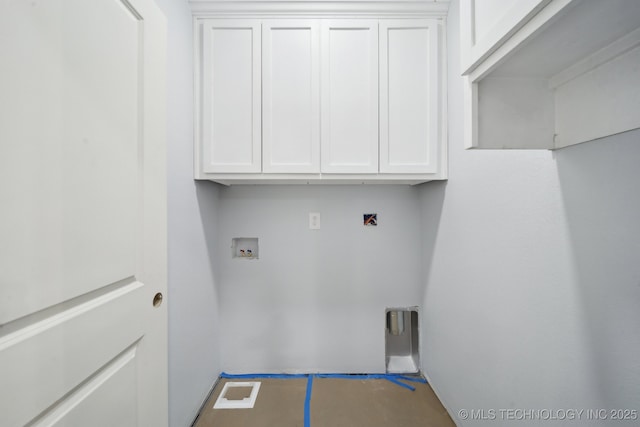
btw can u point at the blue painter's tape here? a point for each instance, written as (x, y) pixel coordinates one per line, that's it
(401, 384)
(354, 376)
(394, 378)
(248, 376)
(350, 376)
(341, 376)
(307, 402)
(412, 379)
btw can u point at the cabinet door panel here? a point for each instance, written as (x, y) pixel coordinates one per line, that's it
(231, 135)
(350, 96)
(291, 97)
(409, 94)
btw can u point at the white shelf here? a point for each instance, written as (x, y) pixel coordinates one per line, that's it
(544, 48)
(568, 75)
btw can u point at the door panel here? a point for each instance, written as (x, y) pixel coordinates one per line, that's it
(231, 83)
(59, 210)
(291, 96)
(350, 96)
(69, 361)
(409, 95)
(115, 383)
(82, 238)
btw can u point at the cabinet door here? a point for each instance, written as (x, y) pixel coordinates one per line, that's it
(291, 96)
(409, 96)
(231, 128)
(486, 24)
(349, 96)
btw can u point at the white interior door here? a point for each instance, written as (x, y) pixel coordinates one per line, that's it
(83, 218)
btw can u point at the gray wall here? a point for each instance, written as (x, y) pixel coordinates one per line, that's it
(531, 274)
(315, 299)
(194, 362)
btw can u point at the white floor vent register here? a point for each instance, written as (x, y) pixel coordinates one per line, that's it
(232, 401)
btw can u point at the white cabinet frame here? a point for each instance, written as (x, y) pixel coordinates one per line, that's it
(335, 119)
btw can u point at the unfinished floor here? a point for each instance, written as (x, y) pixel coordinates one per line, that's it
(334, 403)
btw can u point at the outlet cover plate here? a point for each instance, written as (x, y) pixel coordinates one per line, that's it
(314, 220)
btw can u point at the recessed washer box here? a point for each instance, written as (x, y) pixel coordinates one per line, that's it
(244, 247)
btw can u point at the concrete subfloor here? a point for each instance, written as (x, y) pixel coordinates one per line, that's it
(334, 403)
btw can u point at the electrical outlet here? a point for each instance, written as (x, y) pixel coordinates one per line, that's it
(314, 220)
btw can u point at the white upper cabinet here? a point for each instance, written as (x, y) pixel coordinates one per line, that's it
(291, 96)
(548, 74)
(409, 96)
(306, 94)
(349, 96)
(485, 24)
(231, 94)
